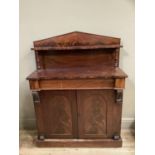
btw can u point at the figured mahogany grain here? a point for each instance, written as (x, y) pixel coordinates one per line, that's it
(59, 114)
(76, 39)
(105, 83)
(76, 58)
(92, 107)
(75, 49)
(76, 84)
(78, 73)
(78, 90)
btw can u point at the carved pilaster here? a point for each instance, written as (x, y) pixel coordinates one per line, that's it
(119, 96)
(36, 98)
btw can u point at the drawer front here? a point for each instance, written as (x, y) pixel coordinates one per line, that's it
(76, 84)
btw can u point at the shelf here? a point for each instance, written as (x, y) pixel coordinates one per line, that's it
(75, 47)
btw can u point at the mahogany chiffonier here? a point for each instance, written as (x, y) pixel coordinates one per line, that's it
(77, 91)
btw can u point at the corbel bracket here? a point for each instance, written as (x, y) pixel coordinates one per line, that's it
(36, 98)
(119, 96)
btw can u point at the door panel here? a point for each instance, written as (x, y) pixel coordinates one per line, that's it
(92, 117)
(59, 114)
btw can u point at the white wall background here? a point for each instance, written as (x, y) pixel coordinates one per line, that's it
(41, 19)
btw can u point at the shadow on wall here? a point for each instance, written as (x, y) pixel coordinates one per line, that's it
(129, 93)
(26, 107)
(27, 120)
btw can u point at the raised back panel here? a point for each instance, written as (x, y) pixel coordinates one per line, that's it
(52, 59)
(77, 49)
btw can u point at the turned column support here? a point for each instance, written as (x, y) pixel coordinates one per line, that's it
(119, 96)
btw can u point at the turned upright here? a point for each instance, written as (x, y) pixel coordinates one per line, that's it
(77, 91)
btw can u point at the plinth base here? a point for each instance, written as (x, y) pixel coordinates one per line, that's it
(79, 143)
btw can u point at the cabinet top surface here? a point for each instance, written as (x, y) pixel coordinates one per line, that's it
(76, 40)
(77, 73)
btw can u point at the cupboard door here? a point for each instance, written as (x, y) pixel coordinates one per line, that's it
(92, 116)
(59, 113)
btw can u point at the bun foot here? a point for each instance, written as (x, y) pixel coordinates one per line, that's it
(116, 137)
(41, 137)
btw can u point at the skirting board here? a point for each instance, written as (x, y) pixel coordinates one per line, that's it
(127, 123)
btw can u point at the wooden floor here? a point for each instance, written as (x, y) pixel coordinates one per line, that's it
(27, 146)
